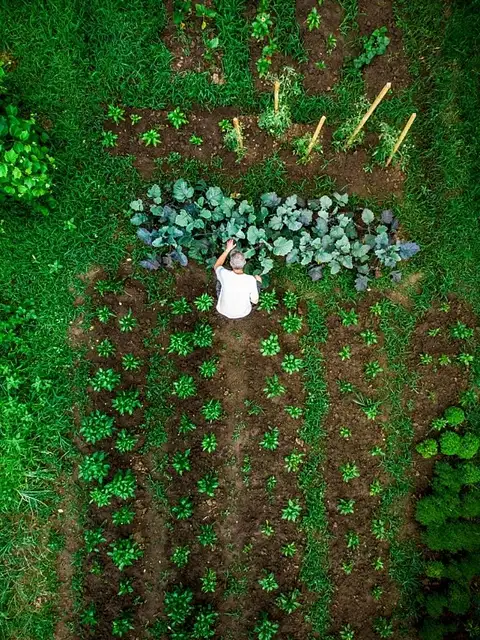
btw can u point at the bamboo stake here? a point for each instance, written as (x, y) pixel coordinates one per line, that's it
(401, 137)
(276, 90)
(236, 126)
(372, 108)
(315, 135)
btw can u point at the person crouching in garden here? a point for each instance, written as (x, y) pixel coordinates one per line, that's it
(236, 291)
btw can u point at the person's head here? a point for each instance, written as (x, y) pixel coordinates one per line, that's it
(237, 260)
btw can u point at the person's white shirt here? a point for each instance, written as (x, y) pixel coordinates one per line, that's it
(239, 291)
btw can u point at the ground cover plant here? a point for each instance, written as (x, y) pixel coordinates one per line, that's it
(164, 475)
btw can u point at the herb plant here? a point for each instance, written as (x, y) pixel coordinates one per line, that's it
(105, 348)
(289, 550)
(180, 556)
(180, 307)
(292, 511)
(349, 471)
(346, 632)
(181, 343)
(125, 587)
(270, 439)
(369, 337)
(105, 379)
(131, 362)
(212, 410)
(291, 364)
(94, 467)
(374, 45)
(313, 19)
(345, 353)
(207, 536)
(348, 318)
(383, 627)
(273, 387)
(186, 426)
(96, 426)
(204, 302)
(196, 140)
(181, 461)
(292, 323)
(124, 552)
(208, 484)
(268, 301)
(127, 401)
(183, 509)
(209, 442)
(209, 581)
(150, 138)
(460, 331)
(293, 461)
(123, 484)
(270, 346)
(345, 507)
(93, 539)
(122, 625)
(267, 529)
(127, 322)
(125, 441)
(208, 368)
(109, 139)
(104, 314)
(294, 412)
(115, 113)
(135, 118)
(185, 387)
(268, 582)
(372, 369)
(177, 118)
(290, 300)
(352, 539)
(377, 592)
(123, 516)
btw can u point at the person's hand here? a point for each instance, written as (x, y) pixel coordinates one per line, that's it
(259, 278)
(231, 244)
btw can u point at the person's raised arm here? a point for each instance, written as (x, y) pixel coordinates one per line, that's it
(221, 260)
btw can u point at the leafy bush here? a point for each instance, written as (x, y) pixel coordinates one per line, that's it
(450, 443)
(454, 416)
(374, 45)
(25, 164)
(313, 233)
(427, 448)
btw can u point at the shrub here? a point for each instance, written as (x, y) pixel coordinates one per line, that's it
(456, 536)
(469, 446)
(450, 443)
(436, 509)
(454, 416)
(427, 448)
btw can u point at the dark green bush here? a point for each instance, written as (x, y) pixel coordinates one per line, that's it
(458, 598)
(434, 630)
(454, 416)
(453, 537)
(469, 446)
(450, 443)
(436, 509)
(435, 604)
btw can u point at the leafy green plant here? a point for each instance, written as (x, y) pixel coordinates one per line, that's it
(348, 318)
(369, 337)
(292, 323)
(270, 346)
(181, 343)
(331, 43)
(372, 369)
(444, 360)
(104, 314)
(96, 426)
(209, 442)
(208, 368)
(93, 539)
(454, 416)
(124, 552)
(180, 556)
(115, 113)
(105, 348)
(378, 564)
(94, 467)
(109, 139)
(345, 507)
(208, 484)
(460, 331)
(209, 581)
(105, 379)
(369, 406)
(290, 300)
(135, 118)
(127, 322)
(383, 627)
(374, 45)
(196, 140)
(183, 509)
(292, 511)
(345, 387)
(265, 628)
(433, 333)
(377, 451)
(293, 461)
(181, 461)
(379, 529)
(288, 602)
(427, 448)
(300, 148)
(89, 616)
(349, 471)
(253, 408)
(291, 364)
(261, 25)
(203, 335)
(125, 587)
(122, 625)
(345, 432)
(345, 353)
(347, 567)
(185, 387)
(346, 632)
(178, 605)
(207, 536)
(426, 359)
(273, 387)
(125, 441)
(313, 19)
(352, 539)
(270, 439)
(101, 497)
(267, 529)
(123, 516)
(268, 582)
(294, 412)
(180, 307)
(321, 65)
(131, 362)
(289, 550)
(466, 359)
(438, 424)
(375, 487)
(127, 401)
(377, 592)
(268, 301)
(231, 139)
(123, 484)
(186, 426)
(150, 138)
(212, 410)
(204, 302)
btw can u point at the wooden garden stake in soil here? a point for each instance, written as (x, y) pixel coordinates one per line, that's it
(401, 137)
(276, 90)
(236, 126)
(372, 108)
(315, 135)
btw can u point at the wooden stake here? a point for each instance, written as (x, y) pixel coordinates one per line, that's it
(236, 126)
(372, 108)
(315, 135)
(401, 137)
(276, 90)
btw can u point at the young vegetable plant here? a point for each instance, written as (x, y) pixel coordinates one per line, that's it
(127, 322)
(183, 509)
(265, 628)
(377, 592)
(127, 401)
(135, 118)
(109, 139)
(268, 301)
(204, 302)
(345, 432)
(301, 145)
(105, 348)
(267, 529)
(104, 314)
(125, 587)
(131, 363)
(261, 26)
(181, 343)
(273, 387)
(123, 516)
(270, 346)
(212, 410)
(348, 318)
(375, 488)
(253, 409)
(292, 323)
(185, 387)
(460, 331)
(268, 582)
(293, 461)
(292, 511)
(197, 141)
(289, 550)
(349, 471)
(203, 335)
(345, 507)
(180, 307)
(180, 556)
(123, 485)
(96, 426)
(372, 369)
(383, 627)
(345, 353)
(101, 497)
(466, 359)
(125, 441)
(115, 113)
(291, 364)
(352, 539)
(94, 467)
(369, 406)
(270, 439)
(346, 632)
(345, 387)
(124, 552)
(331, 43)
(105, 379)
(207, 536)
(379, 529)
(378, 564)
(208, 484)
(122, 625)
(150, 138)
(209, 443)
(290, 300)
(374, 45)
(313, 19)
(347, 567)
(369, 337)
(288, 602)
(294, 412)
(209, 581)
(177, 118)
(186, 426)
(181, 461)
(93, 539)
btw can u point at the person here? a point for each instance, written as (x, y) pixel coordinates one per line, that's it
(236, 290)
